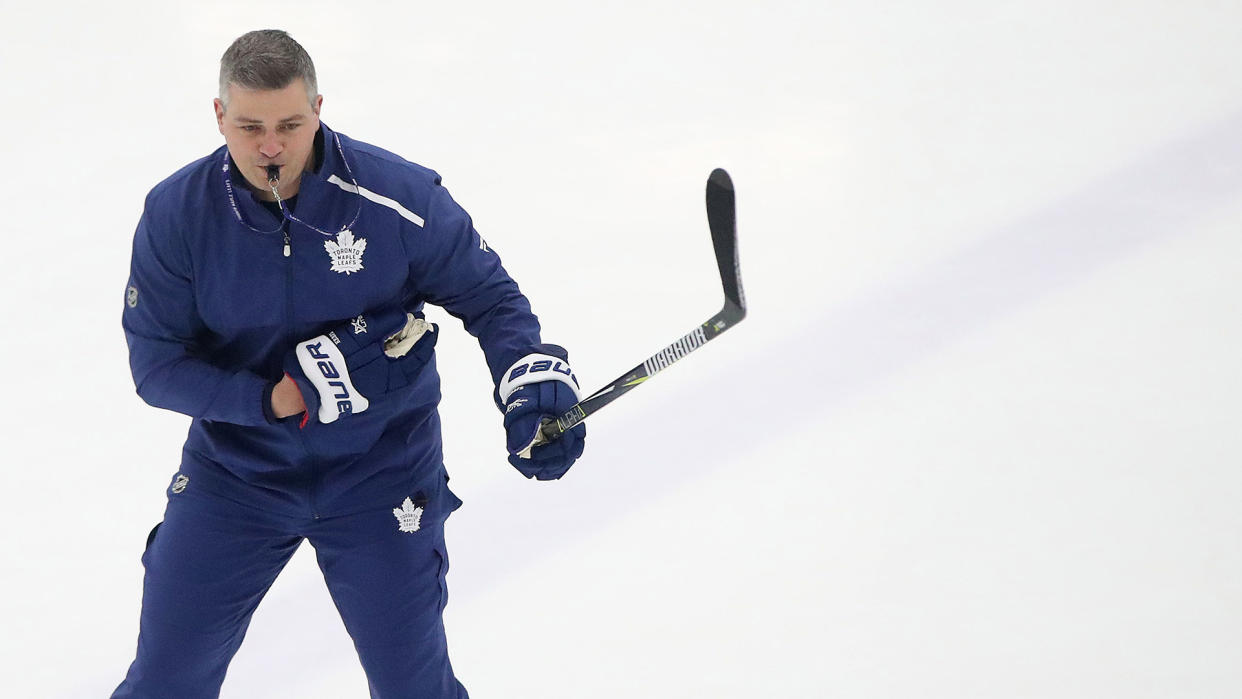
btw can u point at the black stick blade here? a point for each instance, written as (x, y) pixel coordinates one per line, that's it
(722, 219)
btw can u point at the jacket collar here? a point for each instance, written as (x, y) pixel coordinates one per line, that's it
(321, 203)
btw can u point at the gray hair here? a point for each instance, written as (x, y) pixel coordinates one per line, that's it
(266, 59)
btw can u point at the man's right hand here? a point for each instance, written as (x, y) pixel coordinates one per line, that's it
(287, 399)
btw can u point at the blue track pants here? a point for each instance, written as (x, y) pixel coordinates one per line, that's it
(209, 563)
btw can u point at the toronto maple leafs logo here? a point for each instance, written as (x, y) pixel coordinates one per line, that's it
(408, 516)
(346, 252)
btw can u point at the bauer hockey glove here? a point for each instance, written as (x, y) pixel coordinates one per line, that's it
(540, 385)
(361, 359)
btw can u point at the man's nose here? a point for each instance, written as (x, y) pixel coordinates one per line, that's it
(270, 147)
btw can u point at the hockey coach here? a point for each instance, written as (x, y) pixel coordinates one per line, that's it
(275, 296)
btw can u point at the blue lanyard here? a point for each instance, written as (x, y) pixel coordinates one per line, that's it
(284, 210)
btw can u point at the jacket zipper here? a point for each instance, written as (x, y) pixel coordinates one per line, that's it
(290, 340)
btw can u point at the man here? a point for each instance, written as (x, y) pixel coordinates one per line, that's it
(275, 296)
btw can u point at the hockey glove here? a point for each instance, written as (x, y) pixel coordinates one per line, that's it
(340, 372)
(540, 385)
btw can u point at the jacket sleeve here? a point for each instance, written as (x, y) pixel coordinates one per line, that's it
(457, 271)
(163, 329)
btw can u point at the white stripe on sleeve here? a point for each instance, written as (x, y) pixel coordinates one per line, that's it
(378, 199)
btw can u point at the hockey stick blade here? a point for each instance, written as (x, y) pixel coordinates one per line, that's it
(722, 220)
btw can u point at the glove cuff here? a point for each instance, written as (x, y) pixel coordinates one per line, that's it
(324, 366)
(534, 368)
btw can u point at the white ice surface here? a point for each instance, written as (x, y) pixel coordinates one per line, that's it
(978, 438)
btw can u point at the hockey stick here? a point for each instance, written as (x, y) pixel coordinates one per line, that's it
(722, 220)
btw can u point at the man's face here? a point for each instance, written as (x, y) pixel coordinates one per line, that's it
(270, 127)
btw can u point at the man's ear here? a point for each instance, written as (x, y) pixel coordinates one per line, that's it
(219, 113)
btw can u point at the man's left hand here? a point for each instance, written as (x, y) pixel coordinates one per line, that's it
(537, 386)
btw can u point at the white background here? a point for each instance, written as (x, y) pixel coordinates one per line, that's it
(979, 436)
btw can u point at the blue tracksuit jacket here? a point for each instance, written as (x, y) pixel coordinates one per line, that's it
(213, 306)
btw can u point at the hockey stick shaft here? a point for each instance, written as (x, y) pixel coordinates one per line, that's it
(721, 219)
(701, 335)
